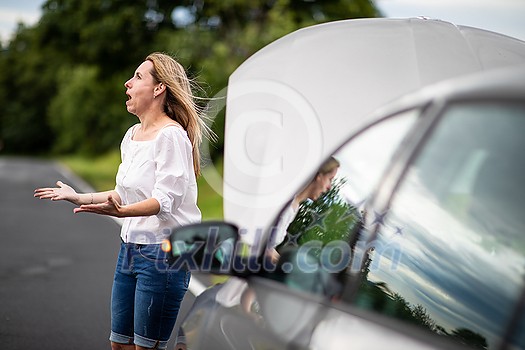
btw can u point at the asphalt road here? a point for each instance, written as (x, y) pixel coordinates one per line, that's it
(56, 267)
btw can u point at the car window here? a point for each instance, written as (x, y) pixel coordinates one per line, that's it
(316, 229)
(449, 254)
(364, 158)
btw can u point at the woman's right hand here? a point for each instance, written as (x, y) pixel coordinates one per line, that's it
(62, 192)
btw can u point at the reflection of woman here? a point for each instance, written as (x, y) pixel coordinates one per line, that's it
(320, 184)
(156, 190)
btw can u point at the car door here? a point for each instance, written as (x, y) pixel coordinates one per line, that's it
(443, 256)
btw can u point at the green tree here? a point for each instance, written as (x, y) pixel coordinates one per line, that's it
(76, 108)
(27, 84)
(112, 34)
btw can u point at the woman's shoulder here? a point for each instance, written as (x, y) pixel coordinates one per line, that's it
(172, 130)
(173, 135)
(129, 133)
(131, 130)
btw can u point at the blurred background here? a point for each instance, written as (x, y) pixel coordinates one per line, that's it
(63, 63)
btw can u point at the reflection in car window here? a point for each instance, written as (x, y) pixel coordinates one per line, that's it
(365, 158)
(316, 217)
(450, 252)
(320, 222)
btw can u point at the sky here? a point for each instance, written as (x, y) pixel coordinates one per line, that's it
(503, 16)
(14, 11)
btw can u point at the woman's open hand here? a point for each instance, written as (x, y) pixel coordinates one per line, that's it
(110, 207)
(62, 192)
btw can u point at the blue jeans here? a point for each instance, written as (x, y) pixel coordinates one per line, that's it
(146, 297)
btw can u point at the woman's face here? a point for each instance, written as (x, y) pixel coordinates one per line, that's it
(322, 184)
(140, 89)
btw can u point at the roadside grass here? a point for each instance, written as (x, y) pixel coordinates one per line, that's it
(100, 171)
(209, 201)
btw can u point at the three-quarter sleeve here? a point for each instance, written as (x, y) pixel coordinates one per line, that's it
(172, 154)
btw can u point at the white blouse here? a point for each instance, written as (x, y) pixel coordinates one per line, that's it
(161, 168)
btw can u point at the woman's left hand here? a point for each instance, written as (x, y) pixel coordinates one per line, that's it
(110, 207)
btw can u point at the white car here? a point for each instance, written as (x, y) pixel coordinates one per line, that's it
(420, 241)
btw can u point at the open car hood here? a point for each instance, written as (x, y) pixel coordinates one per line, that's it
(291, 104)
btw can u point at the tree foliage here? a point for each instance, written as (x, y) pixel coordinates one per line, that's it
(61, 85)
(328, 219)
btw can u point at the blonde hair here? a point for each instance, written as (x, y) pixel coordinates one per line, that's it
(179, 102)
(329, 165)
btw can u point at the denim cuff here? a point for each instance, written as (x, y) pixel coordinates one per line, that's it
(150, 343)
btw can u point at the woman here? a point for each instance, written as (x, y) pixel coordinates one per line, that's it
(156, 191)
(320, 184)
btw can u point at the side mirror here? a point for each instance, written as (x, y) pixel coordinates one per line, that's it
(207, 246)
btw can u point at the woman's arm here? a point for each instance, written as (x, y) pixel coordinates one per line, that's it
(105, 203)
(113, 207)
(67, 193)
(97, 197)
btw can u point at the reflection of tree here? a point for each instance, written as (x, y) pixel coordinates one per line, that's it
(421, 317)
(378, 296)
(327, 219)
(468, 337)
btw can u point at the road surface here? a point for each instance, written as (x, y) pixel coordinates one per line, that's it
(56, 267)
